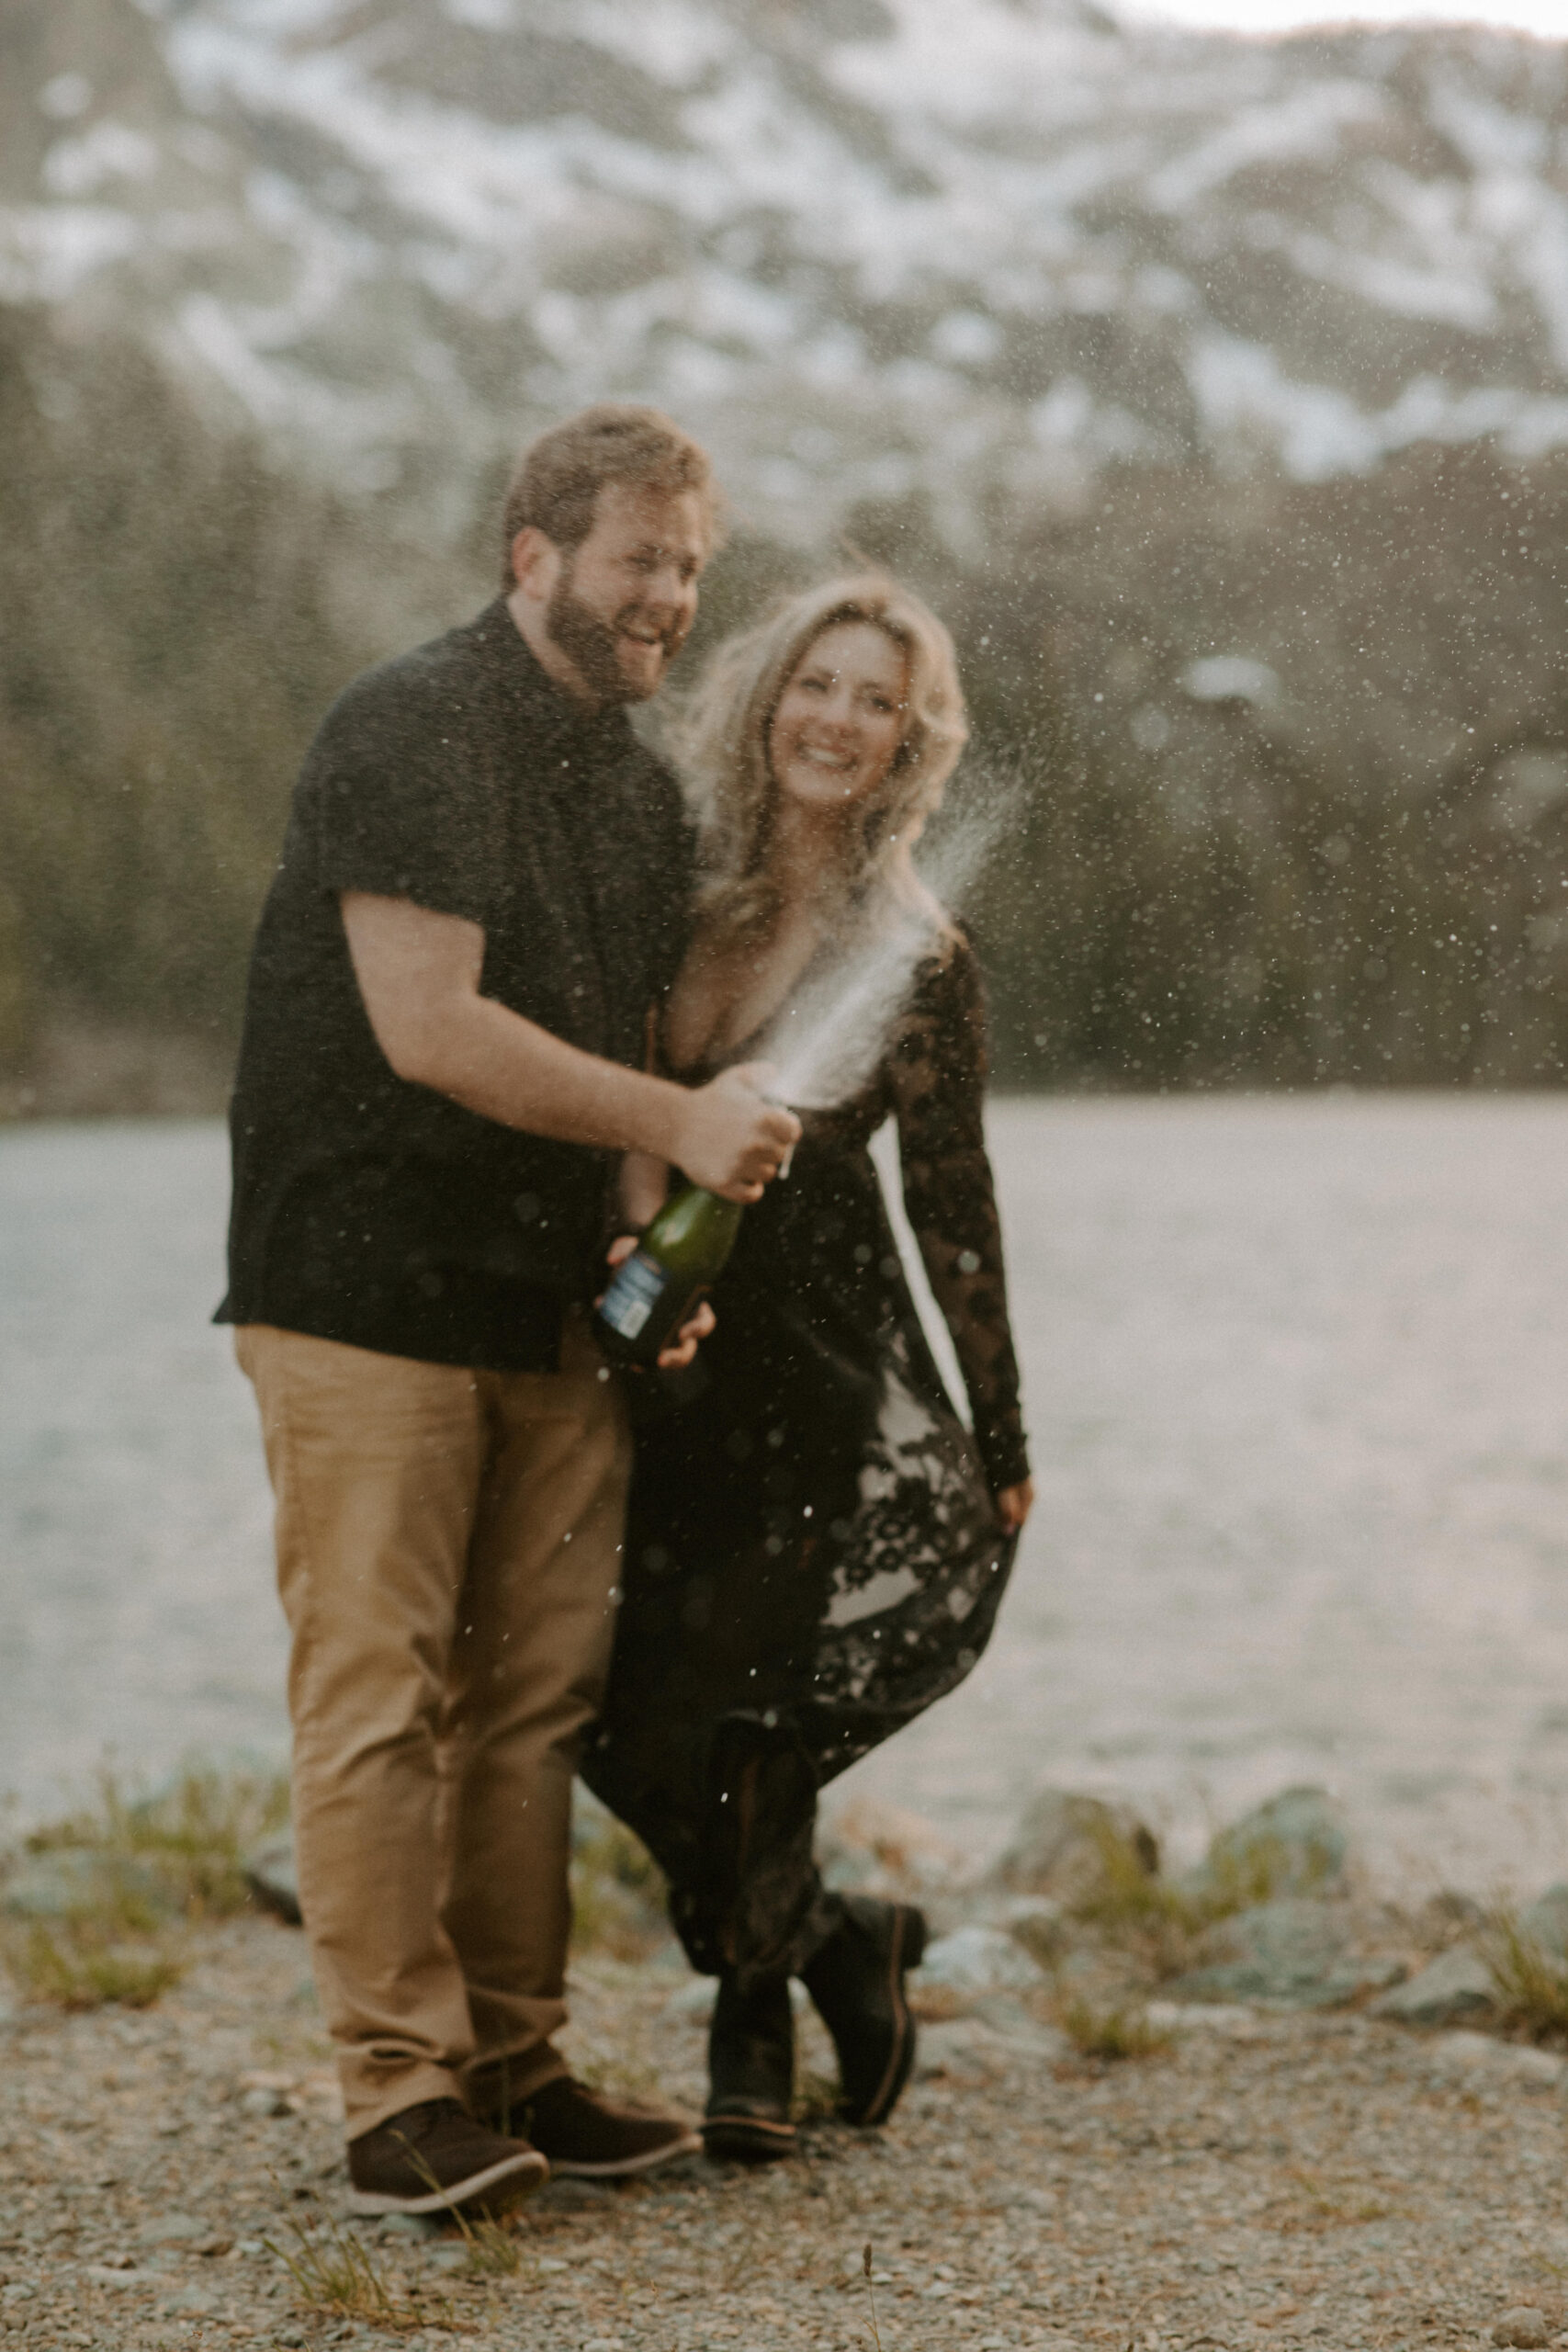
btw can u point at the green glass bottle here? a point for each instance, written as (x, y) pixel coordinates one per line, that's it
(652, 1292)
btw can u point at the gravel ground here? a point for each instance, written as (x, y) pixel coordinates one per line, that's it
(1323, 2180)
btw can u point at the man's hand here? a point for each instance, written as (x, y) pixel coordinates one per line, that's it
(692, 1333)
(732, 1138)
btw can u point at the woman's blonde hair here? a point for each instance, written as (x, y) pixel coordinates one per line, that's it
(720, 741)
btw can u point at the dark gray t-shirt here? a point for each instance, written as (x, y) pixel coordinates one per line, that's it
(379, 1213)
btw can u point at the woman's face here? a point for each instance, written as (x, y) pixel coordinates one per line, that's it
(840, 718)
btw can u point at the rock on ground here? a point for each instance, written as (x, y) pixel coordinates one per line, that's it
(1061, 1845)
(1524, 2325)
(57, 1885)
(1294, 1952)
(1457, 1983)
(977, 1960)
(1545, 1922)
(272, 1874)
(1296, 1843)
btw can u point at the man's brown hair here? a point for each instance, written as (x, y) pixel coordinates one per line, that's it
(558, 477)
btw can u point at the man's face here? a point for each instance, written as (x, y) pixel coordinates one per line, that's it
(624, 600)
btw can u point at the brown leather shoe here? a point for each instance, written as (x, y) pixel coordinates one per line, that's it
(434, 2158)
(583, 2133)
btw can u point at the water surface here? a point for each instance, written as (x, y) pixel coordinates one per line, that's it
(1297, 1371)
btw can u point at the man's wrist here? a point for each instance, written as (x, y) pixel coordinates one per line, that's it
(659, 1108)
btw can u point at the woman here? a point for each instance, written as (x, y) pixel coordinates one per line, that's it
(816, 1546)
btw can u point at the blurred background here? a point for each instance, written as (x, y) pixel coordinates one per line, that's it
(1216, 388)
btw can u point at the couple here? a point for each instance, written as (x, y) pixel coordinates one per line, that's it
(498, 993)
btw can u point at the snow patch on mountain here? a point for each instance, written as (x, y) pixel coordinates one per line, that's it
(872, 248)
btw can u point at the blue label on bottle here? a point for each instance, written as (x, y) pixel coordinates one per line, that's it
(636, 1290)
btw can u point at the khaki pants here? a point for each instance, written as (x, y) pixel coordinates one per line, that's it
(448, 1554)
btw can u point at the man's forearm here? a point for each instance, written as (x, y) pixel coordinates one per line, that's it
(493, 1061)
(420, 975)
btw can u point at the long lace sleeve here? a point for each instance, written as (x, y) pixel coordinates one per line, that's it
(938, 1079)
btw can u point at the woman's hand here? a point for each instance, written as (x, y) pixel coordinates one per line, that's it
(691, 1335)
(1013, 1504)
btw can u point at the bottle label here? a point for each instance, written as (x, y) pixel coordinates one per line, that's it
(634, 1293)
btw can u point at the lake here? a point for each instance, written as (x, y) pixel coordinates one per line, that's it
(1297, 1371)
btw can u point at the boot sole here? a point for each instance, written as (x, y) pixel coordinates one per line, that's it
(690, 2143)
(748, 2139)
(497, 2186)
(905, 1950)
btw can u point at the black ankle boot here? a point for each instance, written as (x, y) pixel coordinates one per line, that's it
(857, 1983)
(751, 2072)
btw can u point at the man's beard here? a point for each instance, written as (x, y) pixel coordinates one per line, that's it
(591, 643)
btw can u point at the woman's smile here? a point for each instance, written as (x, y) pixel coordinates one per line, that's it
(840, 718)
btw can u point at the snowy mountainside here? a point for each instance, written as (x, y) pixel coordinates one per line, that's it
(868, 247)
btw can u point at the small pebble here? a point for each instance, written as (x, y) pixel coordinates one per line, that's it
(264, 2103)
(175, 2229)
(1525, 2326)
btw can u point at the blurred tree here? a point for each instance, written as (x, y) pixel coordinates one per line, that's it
(167, 641)
(1282, 768)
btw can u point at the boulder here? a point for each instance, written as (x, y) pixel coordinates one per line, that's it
(1293, 1952)
(1545, 1922)
(1036, 1922)
(1296, 1843)
(973, 2051)
(175, 2229)
(976, 1960)
(69, 1882)
(1230, 2019)
(1525, 2326)
(1066, 1846)
(1504, 2061)
(1457, 1983)
(269, 1872)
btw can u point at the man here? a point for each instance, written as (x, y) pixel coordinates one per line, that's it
(480, 900)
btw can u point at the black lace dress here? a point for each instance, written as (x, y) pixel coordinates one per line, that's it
(813, 1553)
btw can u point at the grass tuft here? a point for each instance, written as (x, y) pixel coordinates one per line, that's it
(1532, 1987)
(1163, 1924)
(1325, 2205)
(1114, 2033)
(815, 2097)
(76, 1966)
(870, 2276)
(148, 1860)
(336, 2273)
(491, 2249)
(1260, 1867)
(190, 1835)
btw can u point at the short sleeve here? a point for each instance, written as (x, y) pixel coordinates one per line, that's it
(397, 804)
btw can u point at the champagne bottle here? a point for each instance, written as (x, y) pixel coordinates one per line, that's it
(652, 1293)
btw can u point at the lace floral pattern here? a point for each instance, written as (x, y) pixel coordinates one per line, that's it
(813, 1549)
(934, 1084)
